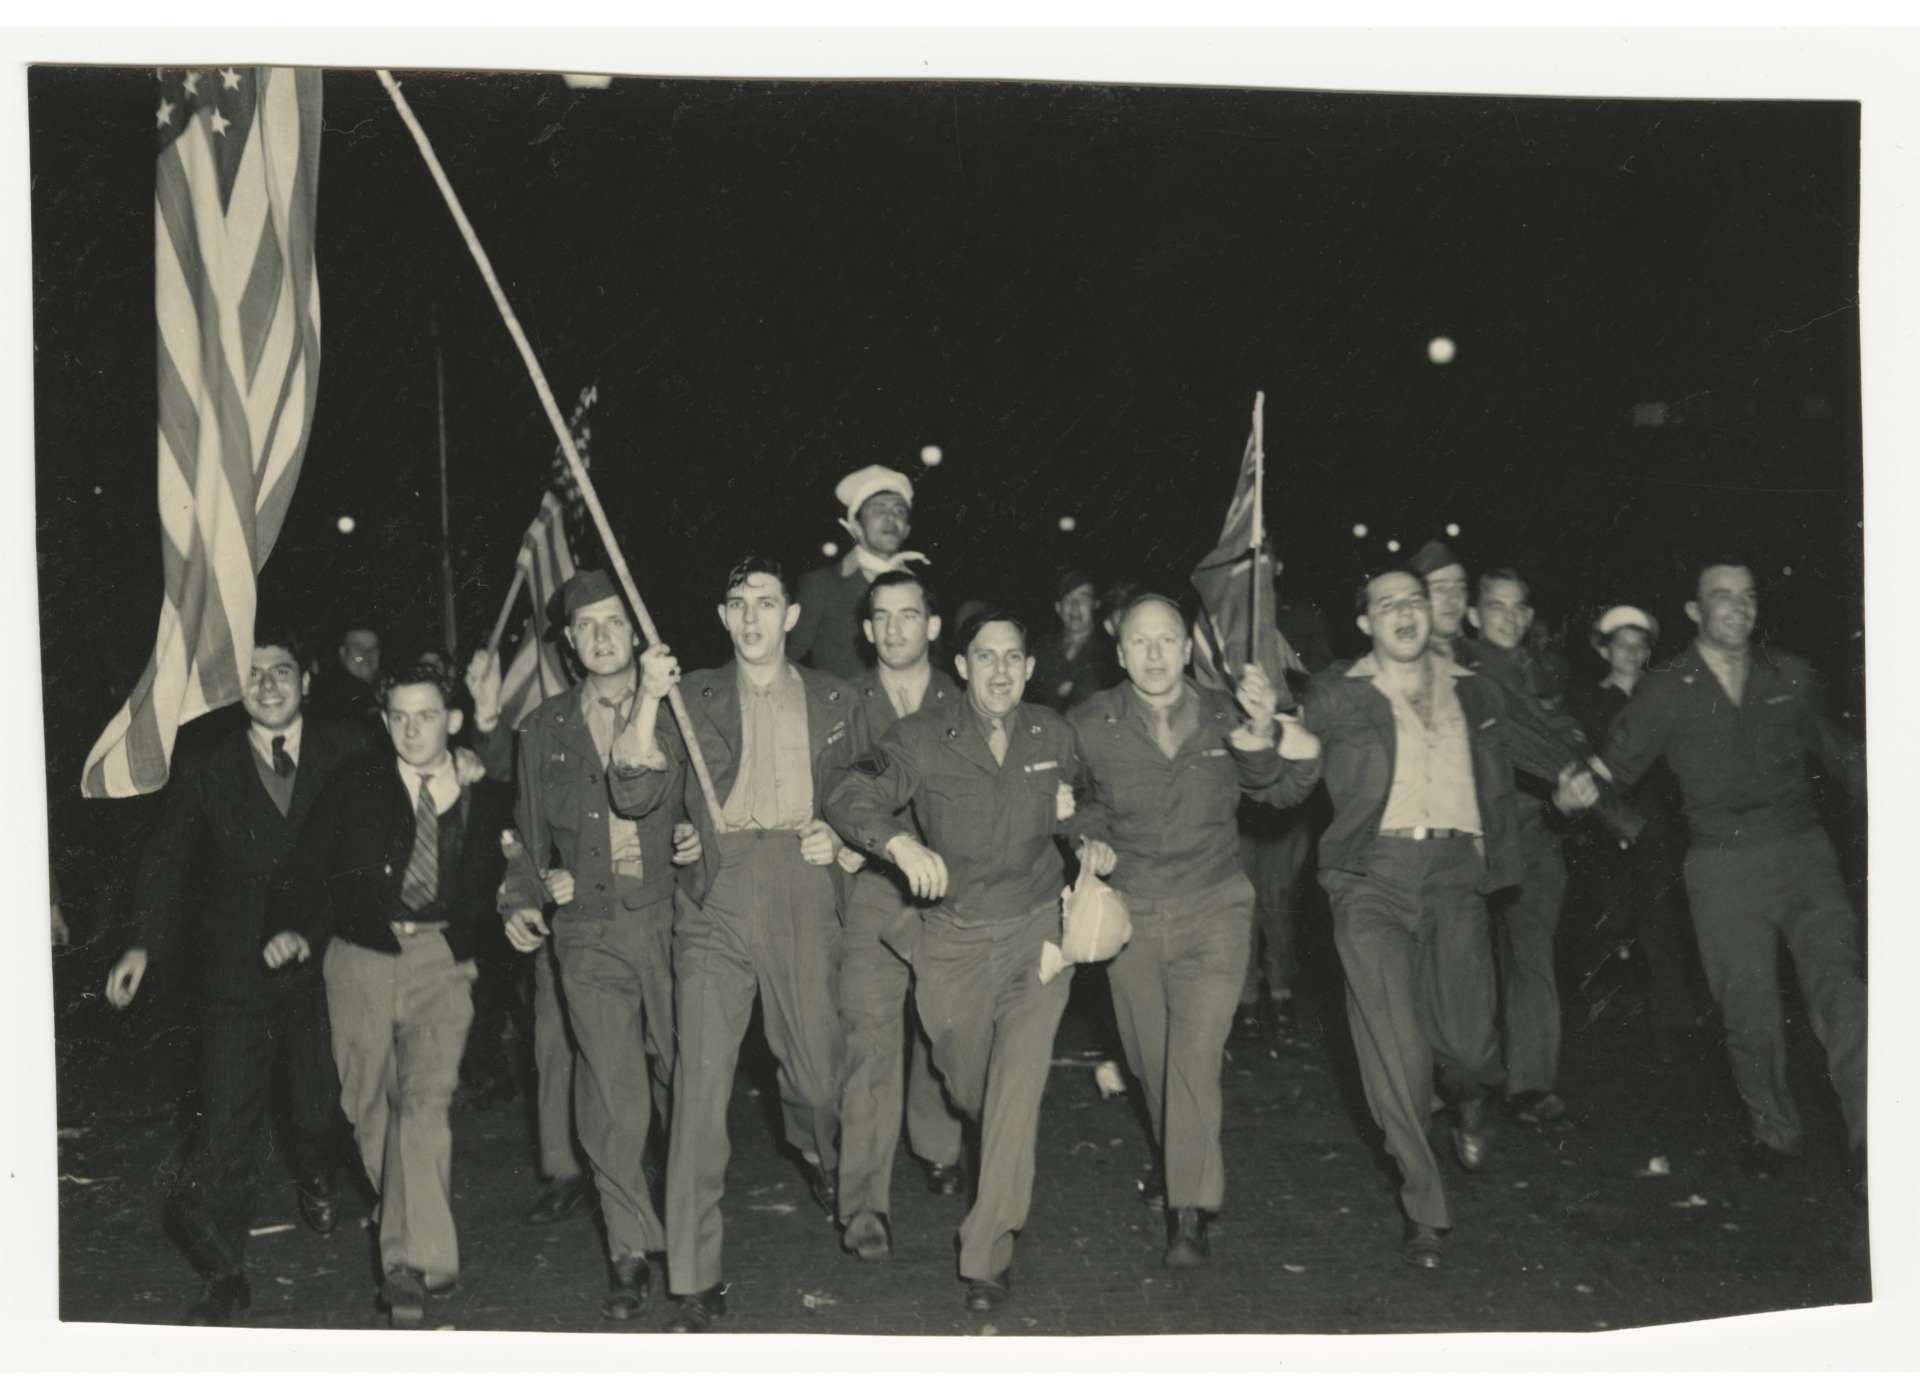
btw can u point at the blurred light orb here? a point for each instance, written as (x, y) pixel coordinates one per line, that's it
(1440, 350)
(1068, 524)
(1359, 532)
(930, 455)
(1393, 546)
(587, 81)
(345, 524)
(1788, 570)
(830, 549)
(1453, 531)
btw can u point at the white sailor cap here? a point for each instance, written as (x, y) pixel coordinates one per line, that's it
(856, 487)
(1613, 619)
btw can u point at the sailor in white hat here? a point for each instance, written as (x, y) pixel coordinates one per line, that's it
(879, 515)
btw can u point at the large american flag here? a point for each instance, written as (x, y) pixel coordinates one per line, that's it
(537, 670)
(238, 308)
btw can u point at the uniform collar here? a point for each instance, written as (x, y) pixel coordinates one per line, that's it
(1368, 666)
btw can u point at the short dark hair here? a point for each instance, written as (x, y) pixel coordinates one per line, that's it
(421, 670)
(273, 631)
(1360, 593)
(984, 619)
(1502, 575)
(1072, 579)
(897, 578)
(1720, 559)
(758, 564)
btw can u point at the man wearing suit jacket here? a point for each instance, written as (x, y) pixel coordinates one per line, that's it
(765, 914)
(386, 889)
(1423, 830)
(902, 621)
(236, 806)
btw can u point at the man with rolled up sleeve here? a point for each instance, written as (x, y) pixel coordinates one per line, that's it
(1166, 761)
(989, 782)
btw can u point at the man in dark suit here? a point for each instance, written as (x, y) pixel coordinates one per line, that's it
(765, 916)
(1423, 831)
(235, 807)
(902, 621)
(388, 885)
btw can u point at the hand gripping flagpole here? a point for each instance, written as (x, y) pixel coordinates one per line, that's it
(580, 477)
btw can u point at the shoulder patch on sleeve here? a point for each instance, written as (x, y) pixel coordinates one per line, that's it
(873, 763)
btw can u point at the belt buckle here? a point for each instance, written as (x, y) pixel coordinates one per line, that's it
(1420, 833)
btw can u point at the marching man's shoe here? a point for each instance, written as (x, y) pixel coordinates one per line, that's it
(867, 1237)
(563, 1196)
(1422, 1249)
(984, 1295)
(1469, 1136)
(225, 1300)
(699, 1311)
(1153, 1190)
(943, 1179)
(1187, 1246)
(315, 1199)
(631, 1282)
(821, 1187)
(405, 1296)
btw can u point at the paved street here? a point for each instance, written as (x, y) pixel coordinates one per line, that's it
(1568, 1229)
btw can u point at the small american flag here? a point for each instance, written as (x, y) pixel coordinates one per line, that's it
(238, 310)
(1223, 640)
(537, 670)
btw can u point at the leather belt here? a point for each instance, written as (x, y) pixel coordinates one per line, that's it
(1428, 833)
(407, 928)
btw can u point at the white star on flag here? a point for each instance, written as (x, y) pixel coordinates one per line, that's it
(229, 77)
(191, 83)
(164, 117)
(220, 123)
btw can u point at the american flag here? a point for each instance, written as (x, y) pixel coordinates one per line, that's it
(1226, 582)
(537, 670)
(238, 308)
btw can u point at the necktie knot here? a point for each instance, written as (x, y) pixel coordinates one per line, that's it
(282, 760)
(997, 740)
(622, 707)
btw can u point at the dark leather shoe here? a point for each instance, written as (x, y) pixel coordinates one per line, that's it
(223, 1302)
(1249, 1026)
(1763, 1162)
(1469, 1134)
(984, 1295)
(315, 1200)
(631, 1283)
(867, 1238)
(698, 1312)
(1187, 1246)
(943, 1180)
(1538, 1106)
(1422, 1249)
(820, 1186)
(1153, 1191)
(404, 1295)
(562, 1197)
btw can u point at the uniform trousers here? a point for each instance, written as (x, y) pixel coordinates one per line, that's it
(991, 1023)
(1412, 937)
(1275, 847)
(244, 1034)
(400, 1024)
(1640, 894)
(553, 1056)
(1746, 900)
(875, 986)
(768, 924)
(1526, 919)
(1175, 986)
(618, 978)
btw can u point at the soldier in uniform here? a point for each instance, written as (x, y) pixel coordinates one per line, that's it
(879, 506)
(764, 917)
(989, 781)
(1166, 763)
(613, 931)
(1072, 663)
(902, 621)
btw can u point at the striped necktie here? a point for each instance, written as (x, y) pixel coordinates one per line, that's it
(422, 880)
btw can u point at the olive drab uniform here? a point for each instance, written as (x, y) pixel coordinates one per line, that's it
(976, 960)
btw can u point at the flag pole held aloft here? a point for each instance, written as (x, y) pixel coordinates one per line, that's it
(578, 471)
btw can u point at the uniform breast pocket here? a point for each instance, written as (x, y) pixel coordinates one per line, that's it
(560, 785)
(960, 815)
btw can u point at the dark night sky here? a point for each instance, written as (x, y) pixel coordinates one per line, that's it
(1073, 290)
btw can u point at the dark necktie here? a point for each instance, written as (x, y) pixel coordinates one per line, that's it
(282, 760)
(622, 709)
(423, 868)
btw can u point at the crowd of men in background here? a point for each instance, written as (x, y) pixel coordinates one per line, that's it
(865, 819)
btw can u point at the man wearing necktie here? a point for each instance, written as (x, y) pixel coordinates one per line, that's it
(989, 783)
(234, 808)
(388, 886)
(902, 622)
(1167, 761)
(879, 506)
(612, 930)
(764, 916)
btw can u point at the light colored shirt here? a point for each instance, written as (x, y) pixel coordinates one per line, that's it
(906, 689)
(262, 740)
(1433, 766)
(773, 791)
(623, 835)
(1182, 712)
(443, 784)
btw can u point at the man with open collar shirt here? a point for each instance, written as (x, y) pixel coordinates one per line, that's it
(1737, 725)
(902, 621)
(988, 779)
(1422, 832)
(765, 915)
(1166, 762)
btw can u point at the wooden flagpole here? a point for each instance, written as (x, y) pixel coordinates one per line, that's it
(500, 625)
(579, 471)
(1259, 520)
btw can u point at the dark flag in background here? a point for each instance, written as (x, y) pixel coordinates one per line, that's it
(238, 310)
(1233, 593)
